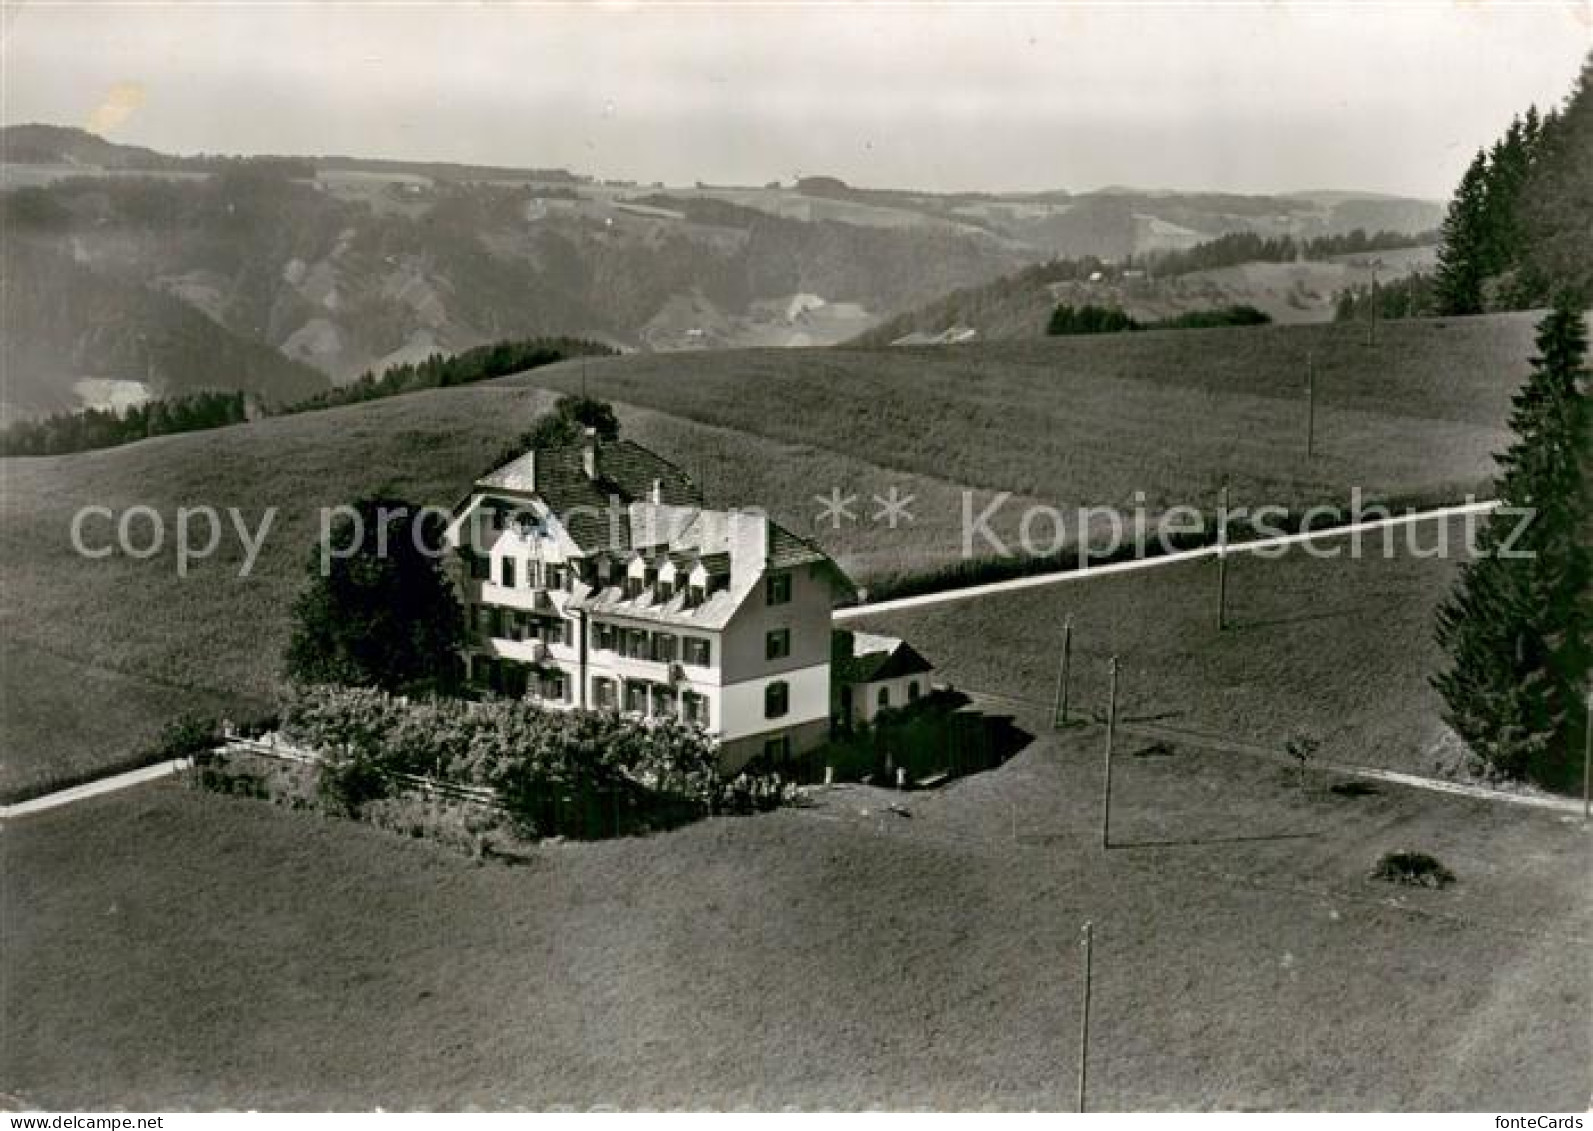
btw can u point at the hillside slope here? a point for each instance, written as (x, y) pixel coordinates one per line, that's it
(346, 264)
(76, 337)
(1065, 422)
(1017, 307)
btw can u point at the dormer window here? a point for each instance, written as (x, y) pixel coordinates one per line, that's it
(696, 595)
(666, 590)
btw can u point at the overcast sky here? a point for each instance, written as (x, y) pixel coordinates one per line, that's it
(1245, 97)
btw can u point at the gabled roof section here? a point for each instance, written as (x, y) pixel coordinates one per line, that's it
(877, 658)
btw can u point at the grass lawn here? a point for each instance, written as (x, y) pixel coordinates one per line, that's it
(165, 948)
(1092, 420)
(1340, 649)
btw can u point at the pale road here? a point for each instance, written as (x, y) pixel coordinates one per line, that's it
(1567, 805)
(95, 788)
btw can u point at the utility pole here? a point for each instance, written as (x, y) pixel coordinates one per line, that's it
(1111, 736)
(1059, 707)
(1084, 1013)
(1222, 560)
(1310, 405)
(1371, 322)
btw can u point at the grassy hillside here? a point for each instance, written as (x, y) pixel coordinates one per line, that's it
(1065, 422)
(1017, 307)
(1095, 420)
(839, 956)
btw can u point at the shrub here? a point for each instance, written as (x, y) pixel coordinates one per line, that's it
(1416, 869)
(188, 736)
(559, 773)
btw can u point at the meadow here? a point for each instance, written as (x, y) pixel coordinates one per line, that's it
(169, 949)
(1063, 422)
(1337, 649)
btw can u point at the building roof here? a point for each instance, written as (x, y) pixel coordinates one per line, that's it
(627, 472)
(642, 504)
(877, 658)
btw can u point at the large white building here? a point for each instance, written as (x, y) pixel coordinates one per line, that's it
(593, 576)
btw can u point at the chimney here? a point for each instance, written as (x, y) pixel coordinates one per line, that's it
(591, 456)
(658, 492)
(749, 547)
(531, 470)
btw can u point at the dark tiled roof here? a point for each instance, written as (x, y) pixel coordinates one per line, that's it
(786, 549)
(880, 657)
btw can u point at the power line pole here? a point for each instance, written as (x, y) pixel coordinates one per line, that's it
(1059, 708)
(1111, 736)
(1587, 760)
(1084, 1013)
(1222, 560)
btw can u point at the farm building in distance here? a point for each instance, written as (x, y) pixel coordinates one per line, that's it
(875, 673)
(593, 576)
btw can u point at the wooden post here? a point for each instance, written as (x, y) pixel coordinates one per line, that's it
(1111, 736)
(1222, 560)
(1310, 405)
(1059, 707)
(1084, 1014)
(1587, 760)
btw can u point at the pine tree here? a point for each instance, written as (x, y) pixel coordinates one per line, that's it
(1464, 243)
(1516, 628)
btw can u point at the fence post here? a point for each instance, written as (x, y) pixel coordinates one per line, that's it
(1310, 405)
(1222, 560)
(1084, 1013)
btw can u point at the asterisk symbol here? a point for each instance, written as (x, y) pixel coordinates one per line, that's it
(834, 507)
(893, 507)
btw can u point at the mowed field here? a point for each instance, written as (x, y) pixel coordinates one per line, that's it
(167, 949)
(1066, 422)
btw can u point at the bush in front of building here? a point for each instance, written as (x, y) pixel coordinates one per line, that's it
(558, 773)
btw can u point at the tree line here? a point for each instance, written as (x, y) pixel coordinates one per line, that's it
(1517, 232)
(91, 428)
(1092, 319)
(1251, 247)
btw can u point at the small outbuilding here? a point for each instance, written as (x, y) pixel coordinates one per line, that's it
(871, 673)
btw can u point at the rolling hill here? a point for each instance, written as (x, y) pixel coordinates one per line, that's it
(1018, 306)
(345, 264)
(1067, 422)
